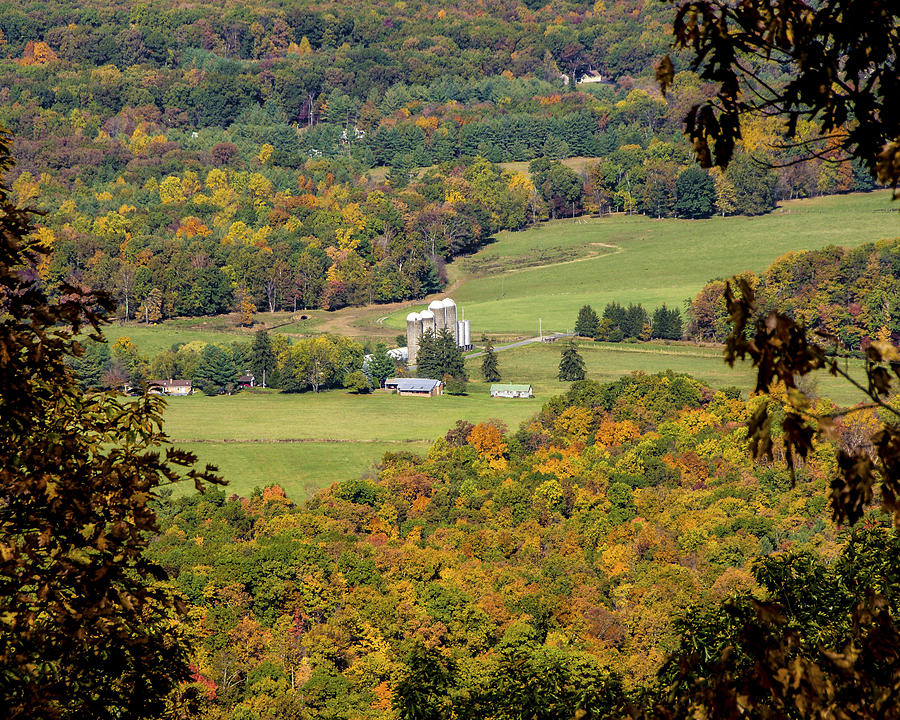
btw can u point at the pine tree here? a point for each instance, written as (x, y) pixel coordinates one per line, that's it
(489, 367)
(438, 356)
(215, 368)
(382, 365)
(262, 358)
(571, 365)
(586, 324)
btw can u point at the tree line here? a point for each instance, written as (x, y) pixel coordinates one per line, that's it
(618, 323)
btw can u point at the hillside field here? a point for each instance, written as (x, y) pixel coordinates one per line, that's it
(634, 258)
(305, 442)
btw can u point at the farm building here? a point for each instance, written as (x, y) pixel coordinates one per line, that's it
(246, 381)
(510, 390)
(419, 387)
(170, 387)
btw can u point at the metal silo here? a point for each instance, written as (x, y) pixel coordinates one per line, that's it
(450, 318)
(440, 320)
(467, 329)
(428, 322)
(413, 333)
(460, 333)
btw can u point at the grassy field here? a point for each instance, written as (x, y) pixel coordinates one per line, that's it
(305, 442)
(638, 259)
(301, 467)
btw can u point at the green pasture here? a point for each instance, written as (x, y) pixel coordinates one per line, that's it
(301, 468)
(538, 364)
(650, 261)
(305, 442)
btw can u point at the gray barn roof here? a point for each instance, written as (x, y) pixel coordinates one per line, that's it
(412, 384)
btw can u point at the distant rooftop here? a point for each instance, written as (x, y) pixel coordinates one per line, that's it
(412, 384)
(510, 387)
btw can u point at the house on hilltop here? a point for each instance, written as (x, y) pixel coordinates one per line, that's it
(511, 390)
(415, 387)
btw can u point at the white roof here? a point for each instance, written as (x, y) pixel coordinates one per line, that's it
(426, 315)
(447, 302)
(413, 316)
(435, 305)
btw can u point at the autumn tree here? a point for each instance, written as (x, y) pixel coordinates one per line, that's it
(88, 621)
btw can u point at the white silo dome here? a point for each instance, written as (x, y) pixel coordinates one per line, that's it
(413, 316)
(447, 302)
(426, 315)
(436, 305)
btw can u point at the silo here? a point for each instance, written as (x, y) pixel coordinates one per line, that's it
(467, 329)
(450, 318)
(440, 320)
(413, 333)
(460, 333)
(428, 321)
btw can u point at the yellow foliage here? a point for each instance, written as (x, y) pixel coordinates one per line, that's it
(574, 422)
(489, 443)
(611, 432)
(265, 153)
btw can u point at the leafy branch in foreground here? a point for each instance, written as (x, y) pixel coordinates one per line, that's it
(841, 60)
(782, 352)
(88, 623)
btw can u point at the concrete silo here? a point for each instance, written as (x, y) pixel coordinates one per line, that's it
(450, 318)
(440, 320)
(413, 334)
(428, 322)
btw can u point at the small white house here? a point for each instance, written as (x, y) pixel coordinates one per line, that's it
(591, 76)
(510, 390)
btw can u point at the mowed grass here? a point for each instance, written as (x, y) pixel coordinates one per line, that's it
(655, 261)
(538, 365)
(305, 442)
(300, 468)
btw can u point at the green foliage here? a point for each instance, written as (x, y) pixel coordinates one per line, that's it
(357, 382)
(586, 323)
(490, 369)
(215, 369)
(571, 364)
(263, 362)
(381, 365)
(695, 193)
(438, 355)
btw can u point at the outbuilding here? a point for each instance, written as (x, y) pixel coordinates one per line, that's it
(418, 387)
(511, 390)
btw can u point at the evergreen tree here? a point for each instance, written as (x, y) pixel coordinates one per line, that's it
(571, 365)
(489, 367)
(427, 362)
(586, 324)
(215, 368)
(634, 319)
(382, 365)
(614, 319)
(667, 323)
(262, 358)
(439, 355)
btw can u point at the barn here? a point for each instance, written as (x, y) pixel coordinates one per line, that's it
(416, 387)
(511, 390)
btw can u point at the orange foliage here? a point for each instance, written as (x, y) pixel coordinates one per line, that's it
(37, 53)
(191, 227)
(487, 439)
(611, 432)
